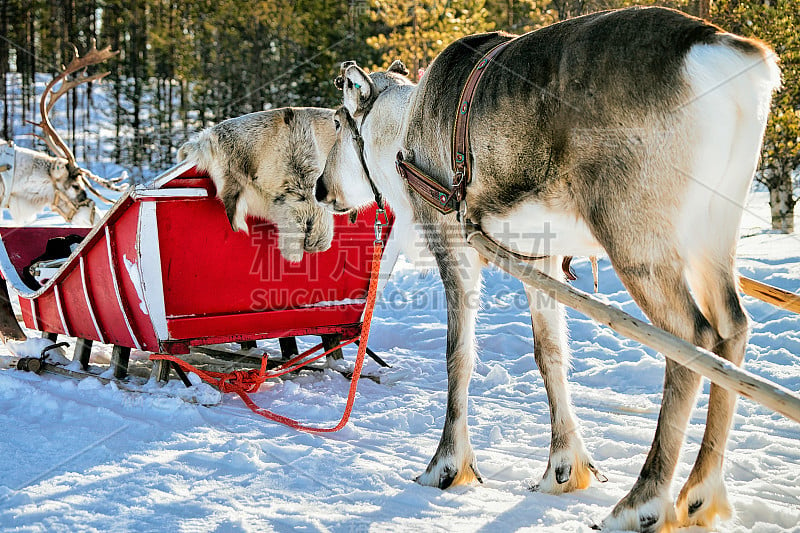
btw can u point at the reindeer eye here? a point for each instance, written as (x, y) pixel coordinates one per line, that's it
(337, 124)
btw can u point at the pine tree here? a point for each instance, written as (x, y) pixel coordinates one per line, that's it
(417, 30)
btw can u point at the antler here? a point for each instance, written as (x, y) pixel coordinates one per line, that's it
(49, 97)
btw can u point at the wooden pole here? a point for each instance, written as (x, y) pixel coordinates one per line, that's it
(710, 365)
(772, 295)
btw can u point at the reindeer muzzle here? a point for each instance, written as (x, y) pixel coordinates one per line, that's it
(68, 208)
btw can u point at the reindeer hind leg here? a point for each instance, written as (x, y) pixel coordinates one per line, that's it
(704, 497)
(660, 290)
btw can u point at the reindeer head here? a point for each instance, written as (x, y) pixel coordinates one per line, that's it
(33, 180)
(266, 164)
(344, 184)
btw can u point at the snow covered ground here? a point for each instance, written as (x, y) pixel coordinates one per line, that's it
(87, 457)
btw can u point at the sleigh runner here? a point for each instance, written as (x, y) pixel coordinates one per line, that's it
(165, 272)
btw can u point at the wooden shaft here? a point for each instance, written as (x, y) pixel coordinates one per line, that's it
(710, 365)
(768, 293)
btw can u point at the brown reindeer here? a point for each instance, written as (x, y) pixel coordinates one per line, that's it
(634, 133)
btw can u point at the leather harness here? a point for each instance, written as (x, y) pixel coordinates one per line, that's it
(446, 200)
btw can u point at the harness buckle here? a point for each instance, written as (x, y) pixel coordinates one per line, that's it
(380, 224)
(461, 214)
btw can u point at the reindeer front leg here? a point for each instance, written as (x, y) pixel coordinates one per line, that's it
(460, 268)
(569, 466)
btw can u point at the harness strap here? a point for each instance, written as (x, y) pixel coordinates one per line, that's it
(443, 199)
(460, 149)
(351, 123)
(446, 200)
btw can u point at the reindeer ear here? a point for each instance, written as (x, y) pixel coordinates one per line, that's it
(399, 67)
(339, 81)
(358, 89)
(345, 65)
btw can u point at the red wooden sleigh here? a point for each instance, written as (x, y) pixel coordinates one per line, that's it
(164, 272)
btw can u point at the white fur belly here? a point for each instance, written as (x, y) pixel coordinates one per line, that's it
(534, 229)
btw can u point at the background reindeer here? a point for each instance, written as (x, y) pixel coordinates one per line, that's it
(32, 180)
(635, 132)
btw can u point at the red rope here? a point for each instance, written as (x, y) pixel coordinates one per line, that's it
(243, 382)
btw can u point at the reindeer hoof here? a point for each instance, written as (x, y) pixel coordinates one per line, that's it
(646, 523)
(446, 475)
(478, 476)
(598, 475)
(703, 503)
(568, 470)
(655, 514)
(562, 473)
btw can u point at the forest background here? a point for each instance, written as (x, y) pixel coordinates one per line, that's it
(184, 66)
